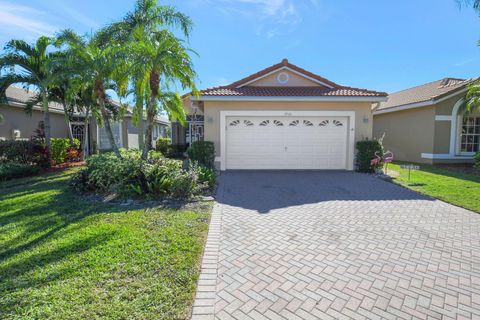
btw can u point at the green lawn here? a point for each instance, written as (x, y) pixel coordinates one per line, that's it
(456, 188)
(64, 257)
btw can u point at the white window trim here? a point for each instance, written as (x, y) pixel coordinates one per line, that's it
(121, 135)
(287, 113)
(454, 148)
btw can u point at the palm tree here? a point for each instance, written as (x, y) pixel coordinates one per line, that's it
(30, 65)
(155, 55)
(100, 65)
(161, 56)
(475, 4)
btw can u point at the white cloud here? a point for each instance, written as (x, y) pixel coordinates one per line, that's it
(64, 9)
(24, 20)
(465, 62)
(270, 18)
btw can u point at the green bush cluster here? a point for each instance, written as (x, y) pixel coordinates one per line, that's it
(12, 170)
(477, 160)
(202, 153)
(60, 147)
(162, 145)
(24, 151)
(156, 177)
(366, 152)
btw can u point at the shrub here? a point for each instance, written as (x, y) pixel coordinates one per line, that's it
(207, 176)
(162, 145)
(203, 153)
(156, 177)
(12, 170)
(61, 147)
(366, 152)
(477, 160)
(24, 151)
(176, 151)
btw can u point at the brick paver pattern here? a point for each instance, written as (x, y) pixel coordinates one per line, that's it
(340, 245)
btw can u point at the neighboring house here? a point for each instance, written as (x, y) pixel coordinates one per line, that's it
(18, 125)
(282, 117)
(426, 123)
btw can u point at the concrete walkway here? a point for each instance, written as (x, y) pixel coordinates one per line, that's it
(336, 245)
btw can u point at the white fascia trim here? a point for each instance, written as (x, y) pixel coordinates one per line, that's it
(287, 113)
(443, 118)
(418, 104)
(444, 156)
(253, 98)
(291, 70)
(35, 108)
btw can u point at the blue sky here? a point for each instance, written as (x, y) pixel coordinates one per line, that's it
(376, 44)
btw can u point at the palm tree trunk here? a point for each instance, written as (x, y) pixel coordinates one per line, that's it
(84, 142)
(108, 128)
(149, 131)
(141, 123)
(151, 111)
(67, 121)
(46, 123)
(100, 93)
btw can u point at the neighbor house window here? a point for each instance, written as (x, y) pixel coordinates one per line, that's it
(470, 134)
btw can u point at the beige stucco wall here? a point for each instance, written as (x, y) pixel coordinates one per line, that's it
(212, 110)
(443, 128)
(408, 133)
(294, 81)
(16, 118)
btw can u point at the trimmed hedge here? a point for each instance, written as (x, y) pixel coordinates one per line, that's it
(477, 160)
(366, 152)
(12, 170)
(203, 153)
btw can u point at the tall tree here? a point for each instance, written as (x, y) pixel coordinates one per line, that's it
(101, 65)
(156, 55)
(475, 4)
(30, 65)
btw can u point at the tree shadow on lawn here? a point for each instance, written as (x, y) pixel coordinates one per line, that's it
(43, 219)
(16, 276)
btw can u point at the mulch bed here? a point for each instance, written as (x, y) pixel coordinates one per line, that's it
(63, 166)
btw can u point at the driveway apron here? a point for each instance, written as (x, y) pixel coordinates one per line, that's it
(336, 245)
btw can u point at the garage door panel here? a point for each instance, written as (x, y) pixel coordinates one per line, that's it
(286, 142)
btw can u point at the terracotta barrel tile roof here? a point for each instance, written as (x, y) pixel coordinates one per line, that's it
(291, 92)
(240, 88)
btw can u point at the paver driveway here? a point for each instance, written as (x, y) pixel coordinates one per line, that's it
(331, 245)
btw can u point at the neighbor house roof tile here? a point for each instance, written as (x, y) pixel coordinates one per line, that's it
(427, 92)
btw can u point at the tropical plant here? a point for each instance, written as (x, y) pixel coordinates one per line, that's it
(156, 55)
(100, 65)
(31, 66)
(475, 4)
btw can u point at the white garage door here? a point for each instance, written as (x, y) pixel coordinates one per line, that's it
(286, 142)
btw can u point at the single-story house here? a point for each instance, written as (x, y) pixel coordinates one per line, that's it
(18, 125)
(427, 123)
(283, 117)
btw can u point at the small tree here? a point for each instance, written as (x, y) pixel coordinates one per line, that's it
(101, 65)
(31, 66)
